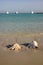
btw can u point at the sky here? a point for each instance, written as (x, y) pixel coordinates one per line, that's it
(21, 5)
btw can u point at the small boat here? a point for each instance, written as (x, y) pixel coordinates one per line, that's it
(7, 12)
(16, 12)
(32, 12)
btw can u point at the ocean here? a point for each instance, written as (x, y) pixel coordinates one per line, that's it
(21, 22)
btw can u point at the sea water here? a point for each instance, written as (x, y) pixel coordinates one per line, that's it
(21, 22)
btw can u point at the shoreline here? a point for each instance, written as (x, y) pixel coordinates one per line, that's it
(20, 37)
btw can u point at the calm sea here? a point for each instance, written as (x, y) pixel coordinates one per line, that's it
(21, 22)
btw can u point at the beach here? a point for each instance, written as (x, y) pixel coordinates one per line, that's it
(26, 56)
(21, 28)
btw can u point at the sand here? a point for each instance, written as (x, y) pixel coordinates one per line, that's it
(26, 56)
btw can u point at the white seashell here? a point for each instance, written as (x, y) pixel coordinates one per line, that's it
(35, 44)
(16, 46)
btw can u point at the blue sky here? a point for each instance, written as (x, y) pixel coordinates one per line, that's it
(21, 5)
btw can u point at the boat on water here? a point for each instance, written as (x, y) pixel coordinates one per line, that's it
(16, 12)
(7, 12)
(32, 12)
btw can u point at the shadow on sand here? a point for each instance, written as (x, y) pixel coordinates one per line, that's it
(26, 44)
(9, 46)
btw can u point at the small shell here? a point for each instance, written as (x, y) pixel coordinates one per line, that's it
(16, 46)
(35, 44)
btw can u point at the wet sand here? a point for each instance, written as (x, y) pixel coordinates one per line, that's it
(26, 56)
